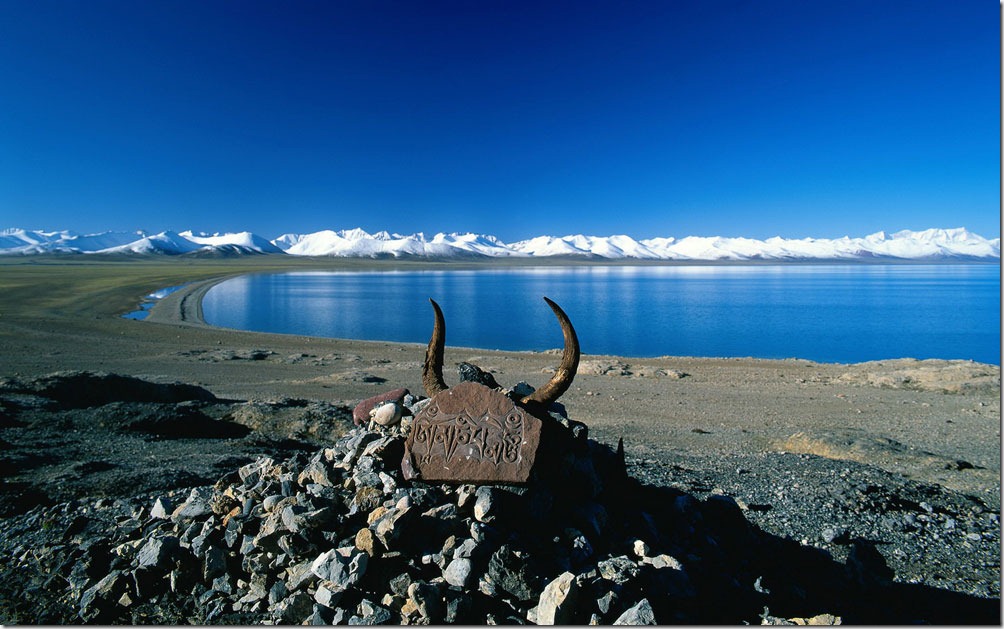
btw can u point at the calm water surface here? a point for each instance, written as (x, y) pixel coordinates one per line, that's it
(827, 313)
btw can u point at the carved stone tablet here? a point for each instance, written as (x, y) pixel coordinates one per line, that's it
(471, 434)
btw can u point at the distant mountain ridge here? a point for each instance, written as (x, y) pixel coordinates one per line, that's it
(931, 244)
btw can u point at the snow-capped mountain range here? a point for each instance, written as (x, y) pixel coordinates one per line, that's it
(931, 244)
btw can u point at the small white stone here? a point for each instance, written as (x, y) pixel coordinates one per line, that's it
(640, 548)
(387, 414)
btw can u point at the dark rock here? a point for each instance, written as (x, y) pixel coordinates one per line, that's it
(98, 603)
(473, 373)
(158, 553)
(509, 571)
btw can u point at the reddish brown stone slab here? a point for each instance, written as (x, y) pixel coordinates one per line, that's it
(471, 434)
(361, 413)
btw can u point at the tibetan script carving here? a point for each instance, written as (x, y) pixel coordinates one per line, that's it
(471, 433)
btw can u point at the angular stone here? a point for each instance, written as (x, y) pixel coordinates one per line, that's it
(508, 570)
(618, 569)
(557, 602)
(161, 508)
(427, 600)
(277, 592)
(471, 433)
(371, 614)
(486, 504)
(157, 553)
(473, 373)
(342, 566)
(316, 472)
(389, 527)
(294, 609)
(327, 594)
(214, 563)
(197, 505)
(300, 575)
(640, 614)
(98, 600)
(361, 413)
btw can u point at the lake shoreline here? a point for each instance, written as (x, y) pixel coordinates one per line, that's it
(806, 311)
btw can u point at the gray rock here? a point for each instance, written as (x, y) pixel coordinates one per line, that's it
(557, 603)
(486, 504)
(270, 502)
(640, 614)
(294, 609)
(97, 602)
(318, 473)
(607, 602)
(300, 575)
(389, 527)
(662, 561)
(371, 614)
(459, 572)
(466, 495)
(257, 589)
(328, 594)
(158, 553)
(341, 566)
(162, 508)
(619, 569)
(466, 549)
(834, 535)
(472, 373)
(197, 505)
(214, 563)
(320, 616)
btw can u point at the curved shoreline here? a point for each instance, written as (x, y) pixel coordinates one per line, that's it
(184, 307)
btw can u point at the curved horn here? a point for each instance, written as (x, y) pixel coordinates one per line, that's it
(432, 371)
(566, 370)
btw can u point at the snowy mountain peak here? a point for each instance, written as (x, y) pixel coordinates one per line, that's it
(931, 244)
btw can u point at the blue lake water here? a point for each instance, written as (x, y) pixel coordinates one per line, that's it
(826, 313)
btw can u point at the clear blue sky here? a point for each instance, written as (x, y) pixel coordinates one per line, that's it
(515, 118)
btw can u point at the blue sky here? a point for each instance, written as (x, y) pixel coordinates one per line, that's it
(647, 118)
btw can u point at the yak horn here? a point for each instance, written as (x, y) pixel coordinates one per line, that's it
(563, 377)
(432, 371)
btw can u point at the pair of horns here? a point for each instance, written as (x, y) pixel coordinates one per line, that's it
(432, 372)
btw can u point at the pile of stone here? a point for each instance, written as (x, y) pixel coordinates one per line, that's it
(340, 537)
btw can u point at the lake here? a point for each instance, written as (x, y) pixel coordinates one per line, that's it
(826, 313)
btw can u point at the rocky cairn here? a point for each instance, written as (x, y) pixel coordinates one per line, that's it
(339, 536)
